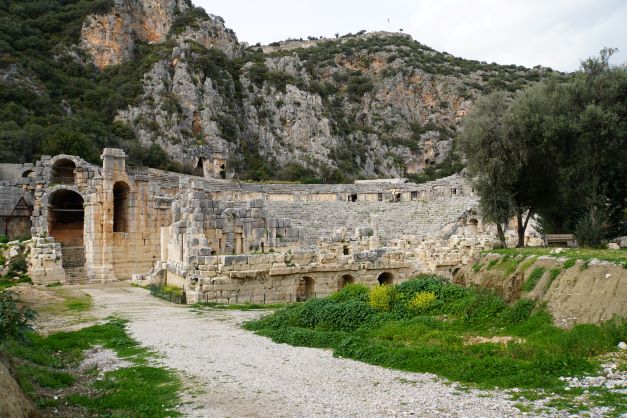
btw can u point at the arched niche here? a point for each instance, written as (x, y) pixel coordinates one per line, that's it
(63, 172)
(386, 278)
(121, 201)
(306, 288)
(344, 280)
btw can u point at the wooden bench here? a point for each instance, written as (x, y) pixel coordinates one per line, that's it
(560, 240)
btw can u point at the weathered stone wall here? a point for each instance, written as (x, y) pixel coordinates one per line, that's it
(222, 239)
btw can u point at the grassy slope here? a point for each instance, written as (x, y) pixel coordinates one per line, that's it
(433, 339)
(48, 367)
(586, 254)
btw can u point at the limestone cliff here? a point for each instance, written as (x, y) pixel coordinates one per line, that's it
(110, 38)
(366, 105)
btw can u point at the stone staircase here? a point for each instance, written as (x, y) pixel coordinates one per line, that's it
(73, 263)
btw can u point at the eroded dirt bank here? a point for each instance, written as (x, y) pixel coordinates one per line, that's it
(576, 291)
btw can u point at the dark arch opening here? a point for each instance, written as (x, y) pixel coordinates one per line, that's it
(27, 173)
(344, 280)
(199, 169)
(306, 289)
(66, 216)
(121, 200)
(222, 171)
(385, 278)
(63, 172)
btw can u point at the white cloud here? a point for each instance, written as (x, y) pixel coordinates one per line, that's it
(555, 33)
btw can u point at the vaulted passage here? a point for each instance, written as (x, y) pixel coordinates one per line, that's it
(66, 217)
(65, 224)
(121, 200)
(306, 289)
(344, 280)
(386, 278)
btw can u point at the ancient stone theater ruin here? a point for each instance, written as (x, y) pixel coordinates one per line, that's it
(228, 241)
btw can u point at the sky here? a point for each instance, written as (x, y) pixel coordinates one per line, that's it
(552, 33)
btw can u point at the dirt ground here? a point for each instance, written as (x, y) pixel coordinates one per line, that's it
(228, 371)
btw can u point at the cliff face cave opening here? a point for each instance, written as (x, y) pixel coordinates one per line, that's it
(121, 198)
(63, 172)
(385, 278)
(305, 289)
(66, 217)
(199, 169)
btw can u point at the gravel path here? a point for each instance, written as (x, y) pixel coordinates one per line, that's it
(231, 372)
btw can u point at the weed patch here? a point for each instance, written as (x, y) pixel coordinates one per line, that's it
(52, 363)
(532, 353)
(533, 279)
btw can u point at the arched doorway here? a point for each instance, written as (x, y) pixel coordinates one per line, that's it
(66, 216)
(306, 289)
(344, 280)
(63, 172)
(121, 200)
(473, 225)
(385, 278)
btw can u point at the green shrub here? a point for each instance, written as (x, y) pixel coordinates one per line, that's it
(382, 298)
(422, 283)
(520, 312)
(13, 321)
(18, 265)
(533, 279)
(482, 306)
(326, 314)
(353, 291)
(421, 301)
(591, 228)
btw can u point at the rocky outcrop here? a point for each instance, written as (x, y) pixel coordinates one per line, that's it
(110, 38)
(367, 105)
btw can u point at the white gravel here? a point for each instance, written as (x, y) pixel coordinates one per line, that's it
(233, 372)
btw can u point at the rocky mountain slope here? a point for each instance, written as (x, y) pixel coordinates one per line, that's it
(364, 105)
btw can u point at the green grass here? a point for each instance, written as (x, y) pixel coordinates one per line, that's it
(554, 273)
(585, 254)
(51, 363)
(533, 279)
(435, 341)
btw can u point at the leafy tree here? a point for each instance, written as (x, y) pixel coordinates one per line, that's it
(487, 147)
(558, 149)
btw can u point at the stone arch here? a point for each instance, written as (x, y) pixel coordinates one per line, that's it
(63, 171)
(305, 289)
(27, 173)
(344, 280)
(386, 278)
(121, 202)
(66, 217)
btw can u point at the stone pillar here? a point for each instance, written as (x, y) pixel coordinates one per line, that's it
(101, 215)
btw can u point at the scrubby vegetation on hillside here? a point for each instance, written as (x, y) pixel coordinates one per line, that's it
(428, 325)
(53, 99)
